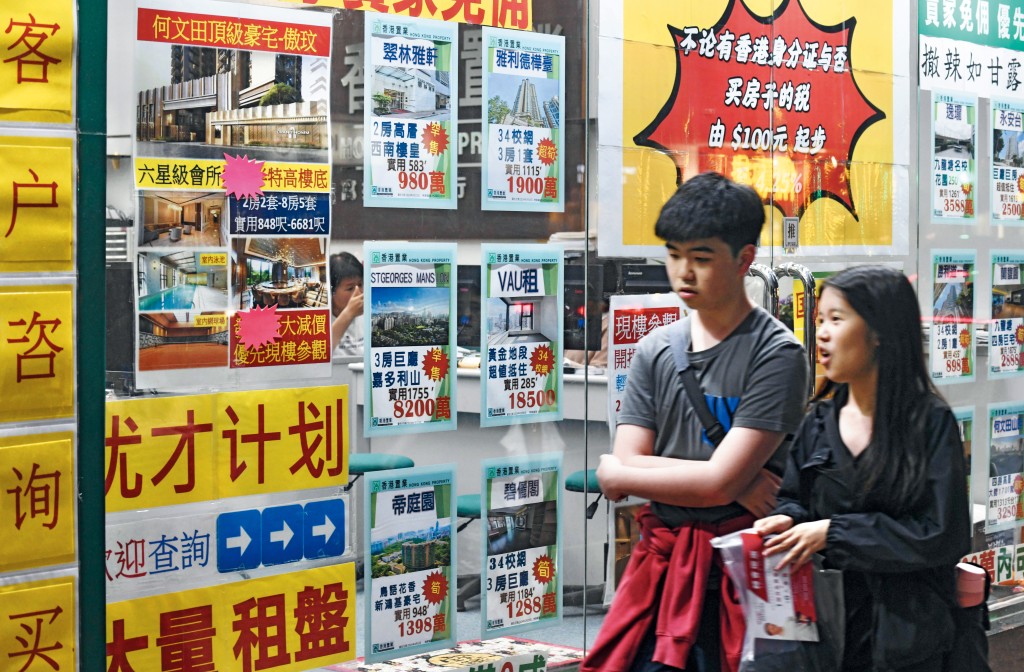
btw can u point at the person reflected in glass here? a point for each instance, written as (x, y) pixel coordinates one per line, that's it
(875, 479)
(346, 304)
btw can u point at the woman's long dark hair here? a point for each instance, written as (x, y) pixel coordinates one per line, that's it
(892, 469)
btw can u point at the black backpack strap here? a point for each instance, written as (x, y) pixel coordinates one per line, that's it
(680, 340)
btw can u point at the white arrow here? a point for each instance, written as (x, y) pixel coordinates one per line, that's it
(325, 530)
(284, 536)
(240, 542)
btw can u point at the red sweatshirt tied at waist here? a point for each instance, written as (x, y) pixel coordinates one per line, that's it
(664, 586)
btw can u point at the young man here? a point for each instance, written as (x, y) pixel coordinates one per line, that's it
(674, 608)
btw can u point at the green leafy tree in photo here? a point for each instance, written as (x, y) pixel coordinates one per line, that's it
(280, 94)
(497, 110)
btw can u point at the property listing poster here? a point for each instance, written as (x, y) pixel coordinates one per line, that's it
(632, 318)
(1007, 176)
(411, 113)
(523, 336)
(522, 552)
(1006, 331)
(523, 155)
(965, 423)
(952, 343)
(1006, 466)
(233, 177)
(410, 370)
(781, 603)
(686, 87)
(954, 158)
(410, 606)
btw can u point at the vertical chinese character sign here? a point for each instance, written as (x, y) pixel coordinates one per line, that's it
(1007, 174)
(954, 159)
(521, 582)
(233, 175)
(1006, 330)
(37, 66)
(632, 318)
(952, 344)
(37, 213)
(1006, 467)
(523, 86)
(411, 561)
(410, 364)
(411, 113)
(522, 334)
(37, 353)
(40, 624)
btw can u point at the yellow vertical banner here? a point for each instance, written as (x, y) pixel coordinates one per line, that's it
(37, 67)
(37, 195)
(296, 621)
(37, 523)
(38, 628)
(37, 358)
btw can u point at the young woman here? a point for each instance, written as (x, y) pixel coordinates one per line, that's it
(875, 481)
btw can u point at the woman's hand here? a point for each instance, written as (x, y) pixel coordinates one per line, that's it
(773, 525)
(608, 472)
(759, 497)
(799, 543)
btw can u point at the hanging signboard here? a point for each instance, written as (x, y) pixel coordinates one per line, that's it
(521, 581)
(954, 177)
(1006, 331)
(410, 113)
(1006, 466)
(411, 562)
(410, 320)
(1007, 171)
(952, 344)
(524, 147)
(633, 317)
(232, 168)
(522, 343)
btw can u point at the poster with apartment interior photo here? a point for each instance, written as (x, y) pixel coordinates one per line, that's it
(231, 166)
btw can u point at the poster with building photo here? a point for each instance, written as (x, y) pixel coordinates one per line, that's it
(523, 341)
(523, 89)
(632, 318)
(410, 320)
(951, 350)
(1006, 466)
(410, 158)
(1006, 330)
(1007, 174)
(410, 561)
(954, 158)
(521, 581)
(232, 177)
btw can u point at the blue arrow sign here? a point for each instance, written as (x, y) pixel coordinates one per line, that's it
(323, 530)
(238, 541)
(282, 534)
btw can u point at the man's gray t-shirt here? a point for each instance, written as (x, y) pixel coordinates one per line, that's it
(755, 378)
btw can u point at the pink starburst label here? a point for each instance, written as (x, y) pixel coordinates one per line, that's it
(258, 327)
(242, 176)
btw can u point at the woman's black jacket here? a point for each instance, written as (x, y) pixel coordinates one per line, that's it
(908, 562)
